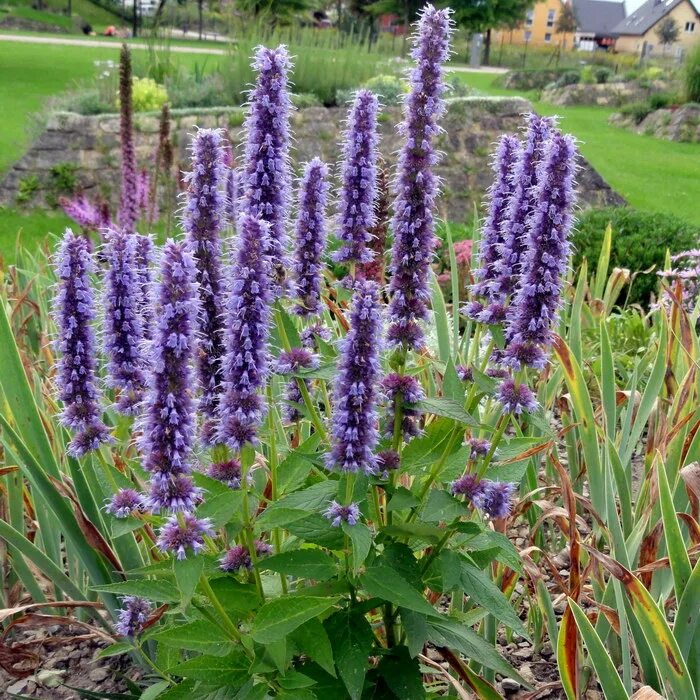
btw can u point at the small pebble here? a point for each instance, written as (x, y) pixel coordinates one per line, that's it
(98, 674)
(510, 685)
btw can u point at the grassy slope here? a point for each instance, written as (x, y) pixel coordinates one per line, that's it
(652, 174)
(54, 14)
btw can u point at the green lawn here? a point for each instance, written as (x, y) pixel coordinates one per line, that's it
(651, 174)
(54, 13)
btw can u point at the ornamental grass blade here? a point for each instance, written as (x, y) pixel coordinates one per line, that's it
(601, 273)
(567, 655)
(662, 643)
(605, 670)
(442, 325)
(685, 628)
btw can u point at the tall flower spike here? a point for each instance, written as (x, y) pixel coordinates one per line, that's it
(534, 309)
(404, 390)
(233, 182)
(520, 206)
(499, 194)
(144, 271)
(123, 330)
(358, 191)
(75, 378)
(266, 175)
(168, 421)
(203, 219)
(355, 434)
(86, 214)
(128, 203)
(374, 270)
(310, 237)
(245, 366)
(416, 185)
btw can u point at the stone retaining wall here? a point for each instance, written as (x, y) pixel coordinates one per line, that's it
(472, 125)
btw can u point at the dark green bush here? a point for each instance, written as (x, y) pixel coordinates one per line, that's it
(638, 110)
(603, 74)
(659, 100)
(639, 241)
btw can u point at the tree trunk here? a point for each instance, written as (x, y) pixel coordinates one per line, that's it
(159, 11)
(201, 20)
(487, 47)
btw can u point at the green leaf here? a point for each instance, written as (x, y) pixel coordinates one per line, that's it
(400, 557)
(162, 591)
(280, 616)
(483, 591)
(302, 563)
(448, 408)
(387, 584)
(116, 650)
(416, 628)
(488, 539)
(231, 670)
(351, 638)
(187, 572)
(402, 674)
(198, 635)
(688, 614)
(423, 451)
(154, 691)
(442, 326)
(318, 530)
(402, 499)
(442, 506)
(234, 595)
(307, 500)
(361, 539)
(311, 639)
(420, 531)
(222, 508)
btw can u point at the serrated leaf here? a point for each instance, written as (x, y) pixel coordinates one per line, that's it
(361, 540)
(416, 627)
(419, 531)
(280, 616)
(402, 674)
(311, 639)
(402, 499)
(318, 530)
(222, 508)
(442, 506)
(351, 638)
(302, 563)
(187, 572)
(387, 584)
(198, 635)
(116, 650)
(448, 408)
(154, 691)
(230, 670)
(161, 591)
(235, 596)
(305, 501)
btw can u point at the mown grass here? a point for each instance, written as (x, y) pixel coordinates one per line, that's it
(651, 174)
(54, 13)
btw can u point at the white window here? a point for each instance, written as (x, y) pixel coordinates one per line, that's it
(548, 37)
(528, 35)
(550, 18)
(529, 18)
(690, 27)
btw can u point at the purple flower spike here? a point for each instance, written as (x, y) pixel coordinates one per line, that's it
(496, 499)
(407, 392)
(516, 398)
(520, 206)
(238, 557)
(266, 175)
(173, 493)
(74, 313)
(310, 237)
(534, 309)
(245, 365)
(168, 421)
(82, 211)
(388, 461)
(203, 220)
(143, 190)
(466, 374)
(355, 434)
(290, 363)
(129, 202)
(469, 486)
(338, 514)
(312, 334)
(233, 182)
(359, 181)
(124, 503)
(479, 447)
(177, 538)
(123, 331)
(416, 185)
(133, 616)
(228, 473)
(144, 271)
(505, 159)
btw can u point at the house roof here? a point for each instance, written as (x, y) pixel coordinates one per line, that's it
(598, 16)
(646, 16)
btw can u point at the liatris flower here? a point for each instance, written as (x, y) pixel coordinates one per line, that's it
(505, 159)
(238, 557)
(466, 374)
(388, 461)
(289, 363)
(245, 366)
(479, 447)
(359, 181)
(144, 263)
(133, 616)
(124, 503)
(516, 398)
(416, 185)
(520, 206)
(123, 331)
(310, 234)
(232, 196)
(311, 334)
(143, 189)
(354, 433)
(203, 220)
(75, 378)
(374, 270)
(82, 211)
(534, 308)
(228, 472)
(266, 175)
(495, 500)
(168, 421)
(177, 537)
(404, 391)
(128, 204)
(338, 514)
(173, 493)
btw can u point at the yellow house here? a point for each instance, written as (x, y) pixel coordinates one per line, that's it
(539, 27)
(637, 32)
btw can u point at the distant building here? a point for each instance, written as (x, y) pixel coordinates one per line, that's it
(595, 23)
(637, 32)
(539, 27)
(392, 24)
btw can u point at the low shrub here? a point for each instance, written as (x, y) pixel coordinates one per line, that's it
(389, 88)
(639, 111)
(660, 100)
(691, 75)
(148, 95)
(640, 240)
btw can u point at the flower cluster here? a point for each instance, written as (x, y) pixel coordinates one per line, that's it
(403, 393)
(238, 557)
(289, 363)
(339, 514)
(124, 503)
(129, 202)
(491, 497)
(89, 216)
(182, 532)
(133, 616)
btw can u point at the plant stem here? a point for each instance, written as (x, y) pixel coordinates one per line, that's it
(272, 461)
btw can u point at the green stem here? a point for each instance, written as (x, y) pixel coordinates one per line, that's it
(273, 462)
(500, 429)
(248, 536)
(224, 621)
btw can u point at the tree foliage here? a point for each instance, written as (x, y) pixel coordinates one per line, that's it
(667, 31)
(567, 20)
(484, 15)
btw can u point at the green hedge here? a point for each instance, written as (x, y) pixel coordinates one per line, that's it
(640, 240)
